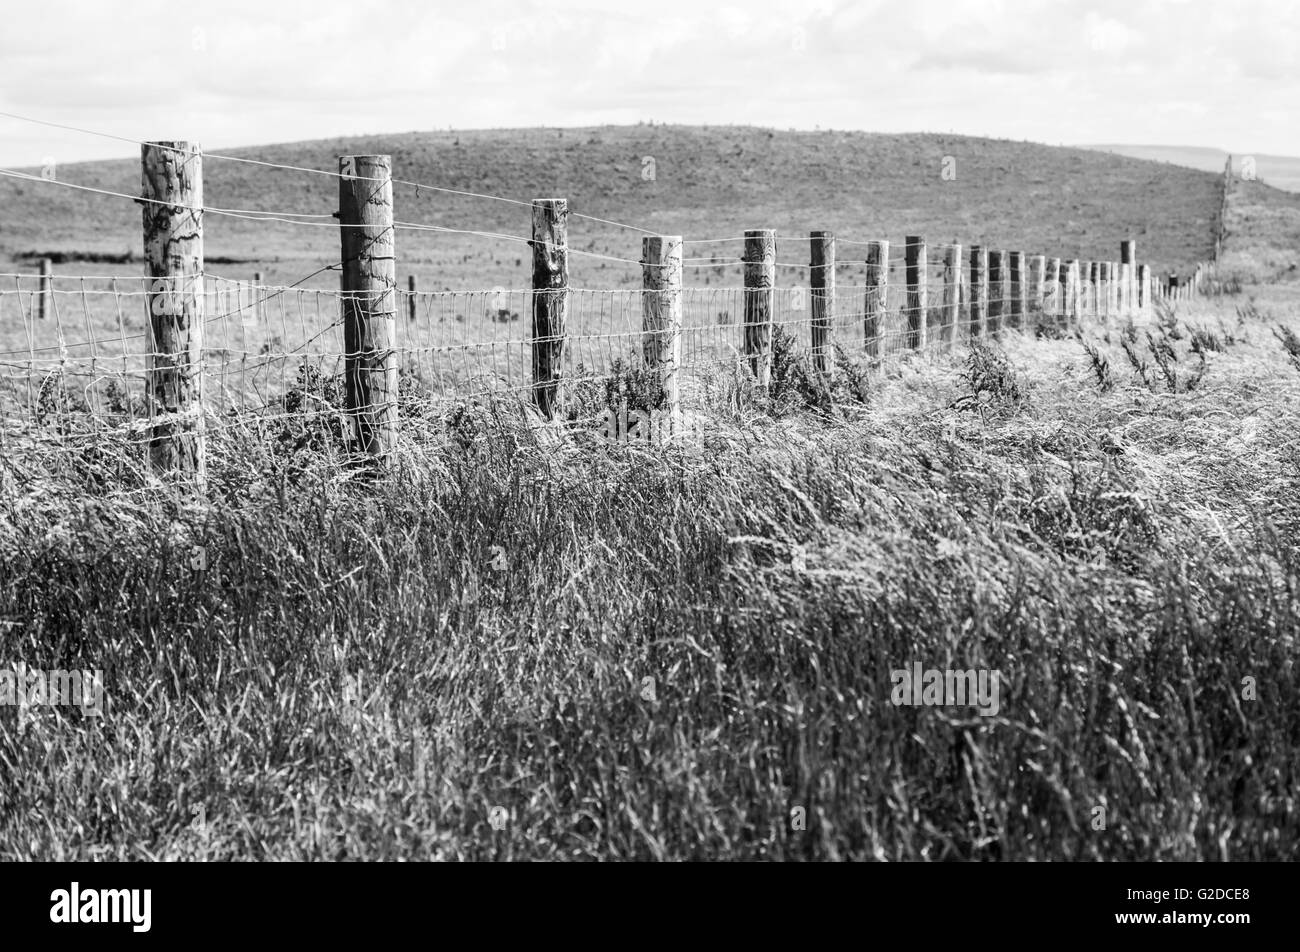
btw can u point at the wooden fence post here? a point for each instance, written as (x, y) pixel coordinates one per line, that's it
(369, 284)
(951, 294)
(1128, 262)
(760, 295)
(172, 189)
(46, 288)
(1103, 288)
(1067, 294)
(979, 291)
(1076, 301)
(1094, 289)
(1143, 288)
(997, 291)
(1019, 289)
(1051, 301)
(915, 262)
(822, 284)
(550, 244)
(256, 297)
(410, 297)
(661, 317)
(1038, 264)
(877, 282)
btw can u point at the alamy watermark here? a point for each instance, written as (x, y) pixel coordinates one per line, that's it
(918, 686)
(27, 688)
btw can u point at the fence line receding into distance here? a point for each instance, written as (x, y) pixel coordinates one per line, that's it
(179, 353)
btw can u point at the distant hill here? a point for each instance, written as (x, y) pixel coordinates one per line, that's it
(707, 182)
(1280, 171)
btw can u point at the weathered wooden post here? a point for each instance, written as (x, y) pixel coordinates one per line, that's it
(877, 284)
(661, 317)
(46, 288)
(1143, 288)
(1070, 280)
(410, 297)
(172, 193)
(369, 285)
(760, 294)
(257, 297)
(997, 290)
(1051, 302)
(951, 294)
(822, 284)
(917, 290)
(979, 291)
(1103, 288)
(1019, 289)
(1094, 289)
(1128, 262)
(1076, 302)
(550, 245)
(1038, 264)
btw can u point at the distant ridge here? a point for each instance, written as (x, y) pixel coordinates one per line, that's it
(697, 181)
(1280, 171)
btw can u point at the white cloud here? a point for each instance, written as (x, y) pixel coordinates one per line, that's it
(1118, 70)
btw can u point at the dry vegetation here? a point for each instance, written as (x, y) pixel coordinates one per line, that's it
(1122, 549)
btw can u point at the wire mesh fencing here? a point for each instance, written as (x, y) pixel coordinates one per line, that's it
(76, 353)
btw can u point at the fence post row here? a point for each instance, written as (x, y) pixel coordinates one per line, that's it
(661, 317)
(369, 286)
(877, 281)
(550, 245)
(951, 293)
(917, 290)
(172, 189)
(979, 292)
(822, 283)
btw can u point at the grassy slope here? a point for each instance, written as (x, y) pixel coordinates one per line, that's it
(709, 182)
(1262, 233)
(1280, 171)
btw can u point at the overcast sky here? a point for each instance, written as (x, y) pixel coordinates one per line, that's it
(1168, 72)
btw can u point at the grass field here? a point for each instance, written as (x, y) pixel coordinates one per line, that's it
(525, 643)
(683, 648)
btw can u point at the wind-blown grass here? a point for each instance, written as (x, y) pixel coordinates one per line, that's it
(686, 646)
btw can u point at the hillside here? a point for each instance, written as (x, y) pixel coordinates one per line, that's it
(709, 182)
(1280, 171)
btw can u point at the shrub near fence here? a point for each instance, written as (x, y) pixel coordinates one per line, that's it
(215, 352)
